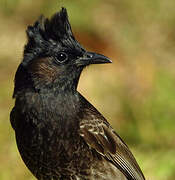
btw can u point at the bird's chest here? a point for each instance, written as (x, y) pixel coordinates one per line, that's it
(49, 154)
(48, 138)
(48, 127)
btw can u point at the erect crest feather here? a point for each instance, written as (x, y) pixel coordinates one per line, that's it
(55, 28)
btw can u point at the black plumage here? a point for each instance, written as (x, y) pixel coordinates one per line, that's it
(59, 134)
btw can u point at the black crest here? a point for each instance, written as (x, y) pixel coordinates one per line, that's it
(46, 34)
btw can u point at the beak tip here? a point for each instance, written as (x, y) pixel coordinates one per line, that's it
(110, 61)
(107, 60)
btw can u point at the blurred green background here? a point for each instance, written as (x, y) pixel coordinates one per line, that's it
(136, 93)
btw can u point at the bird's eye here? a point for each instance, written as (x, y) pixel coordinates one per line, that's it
(61, 57)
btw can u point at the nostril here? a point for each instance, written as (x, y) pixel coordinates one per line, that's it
(89, 55)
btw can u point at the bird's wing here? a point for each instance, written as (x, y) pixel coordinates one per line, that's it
(100, 136)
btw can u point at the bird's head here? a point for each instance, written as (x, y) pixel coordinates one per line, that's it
(53, 58)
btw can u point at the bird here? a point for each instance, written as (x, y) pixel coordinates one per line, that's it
(59, 134)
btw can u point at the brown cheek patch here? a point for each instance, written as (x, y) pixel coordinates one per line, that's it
(43, 69)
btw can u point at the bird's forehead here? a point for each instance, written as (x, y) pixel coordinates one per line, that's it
(67, 45)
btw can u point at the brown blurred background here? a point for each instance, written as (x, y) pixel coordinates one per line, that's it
(136, 93)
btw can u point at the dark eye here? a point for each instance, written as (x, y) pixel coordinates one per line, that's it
(61, 57)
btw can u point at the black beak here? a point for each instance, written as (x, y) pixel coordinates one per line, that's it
(92, 58)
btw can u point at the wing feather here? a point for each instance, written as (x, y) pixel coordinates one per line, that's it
(100, 136)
